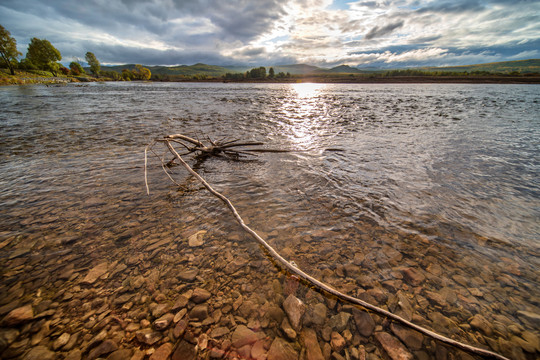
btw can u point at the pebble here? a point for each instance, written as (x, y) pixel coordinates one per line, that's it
(311, 344)
(61, 341)
(199, 312)
(337, 341)
(295, 309)
(39, 353)
(243, 336)
(18, 316)
(200, 295)
(105, 347)
(393, 348)
(197, 239)
(95, 273)
(413, 276)
(364, 322)
(163, 352)
(281, 350)
(148, 336)
(184, 351)
(163, 322)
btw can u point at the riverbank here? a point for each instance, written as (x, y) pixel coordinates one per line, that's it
(43, 77)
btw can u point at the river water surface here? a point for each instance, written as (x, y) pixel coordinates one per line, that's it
(421, 198)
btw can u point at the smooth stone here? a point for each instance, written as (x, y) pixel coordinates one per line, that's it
(120, 354)
(160, 309)
(197, 239)
(148, 336)
(479, 322)
(181, 302)
(413, 276)
(180, 328)
(200, 295)
(340, 321)
(188, 274)
(318, 316)
(295, 309)
(219, 332)
(311, 344)
(531, 317)
(258, 352)
(412, 339)
(393, 348)
(74, 355)
(199, 312)
(105, 347)
(163, 322)
(364, 322)
(184, 351)
(337, 341)
(95, 273)
(18, 316)
(281, 350)
(39, 353)
(61, 341)
(288, 330)
(242, 335)
(179, 315)
(162, 352)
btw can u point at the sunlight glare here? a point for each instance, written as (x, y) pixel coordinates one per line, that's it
(307, 90)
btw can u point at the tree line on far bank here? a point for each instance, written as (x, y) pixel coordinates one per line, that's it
(42, 55)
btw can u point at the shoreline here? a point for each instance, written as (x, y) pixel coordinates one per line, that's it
(29, 79)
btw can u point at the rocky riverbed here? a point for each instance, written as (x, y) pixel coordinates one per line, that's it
(197, 289)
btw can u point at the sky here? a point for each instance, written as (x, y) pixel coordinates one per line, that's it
(325, 33)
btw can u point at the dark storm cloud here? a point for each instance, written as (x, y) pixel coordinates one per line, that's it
(384, 30)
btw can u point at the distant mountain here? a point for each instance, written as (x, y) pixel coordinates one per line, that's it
(522, 66)
(342, 69)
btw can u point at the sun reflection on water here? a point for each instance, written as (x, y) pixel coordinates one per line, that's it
(304, 113)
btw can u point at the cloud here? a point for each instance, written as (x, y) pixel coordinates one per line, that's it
(384, 30)
(170, 32)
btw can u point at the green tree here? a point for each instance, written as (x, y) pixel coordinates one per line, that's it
(8, 49)
(76, 68)
(142, 72)
(271, 73)
(43, 55)
(95, 67)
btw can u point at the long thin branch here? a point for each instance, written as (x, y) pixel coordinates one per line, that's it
(293, 269)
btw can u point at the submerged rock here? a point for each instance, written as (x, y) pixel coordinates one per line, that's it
(197, 239)
(18, 316)
(95, 273)
(243, 336)
(281, 350)
(393, 348)
(295, 309)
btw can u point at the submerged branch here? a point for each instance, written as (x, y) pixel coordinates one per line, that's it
(308, 278)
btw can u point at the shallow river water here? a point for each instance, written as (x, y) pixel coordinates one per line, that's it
(421, 199)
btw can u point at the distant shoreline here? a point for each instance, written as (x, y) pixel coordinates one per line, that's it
(24, 79)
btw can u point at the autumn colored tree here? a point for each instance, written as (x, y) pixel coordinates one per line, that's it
(93, 62)
(142, 73)
(43, 55)
(8, 49)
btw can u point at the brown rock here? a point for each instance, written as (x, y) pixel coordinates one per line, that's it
(479, 322)
(258, 352)
(105, 347)
(243, 336)
(163, 322)
(295, 309)
(181, 302)
(120, 354)
(219, 332)
(39, 353)
(184, 351)
(180, 328)
(188, 274)
(18, 316)
(311, 344)
(281, 350)
(339, 321)
(61, 341)
(197, 239)
(364, 322)
(162, 352)
(199, 312)
(148, 336)
(318, 316)
(200, 295)
(337, 341)
(95, 273)
(413, 339)
(393, 348)
(413, 276)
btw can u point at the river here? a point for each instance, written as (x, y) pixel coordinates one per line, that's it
(420, 198)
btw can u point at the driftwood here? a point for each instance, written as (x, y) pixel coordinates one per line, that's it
(225, 149)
